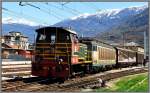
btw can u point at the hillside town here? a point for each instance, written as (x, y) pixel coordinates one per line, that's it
(16, 44)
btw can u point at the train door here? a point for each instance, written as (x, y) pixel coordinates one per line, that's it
(75, 49)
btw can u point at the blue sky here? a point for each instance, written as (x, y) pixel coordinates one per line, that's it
(53, 12)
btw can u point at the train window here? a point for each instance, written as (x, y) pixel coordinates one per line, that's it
(63, 37)
(94, 48)
(53, 38)
(68, 37)
(42, 37)
(75, 38)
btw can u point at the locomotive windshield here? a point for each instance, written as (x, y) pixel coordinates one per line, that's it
(52, 38)
(43, 38)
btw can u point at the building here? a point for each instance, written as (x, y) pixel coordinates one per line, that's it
(17, 40)
(15, 44)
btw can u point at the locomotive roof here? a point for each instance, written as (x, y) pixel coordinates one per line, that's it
(93, 39)
(54, 28)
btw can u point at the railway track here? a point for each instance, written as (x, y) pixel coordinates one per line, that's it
(19, 85)
(16, 68)
(71, 85)
(106, 77)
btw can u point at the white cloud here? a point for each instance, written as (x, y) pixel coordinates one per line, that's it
(10, 20)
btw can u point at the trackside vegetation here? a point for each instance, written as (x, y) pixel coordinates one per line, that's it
(132, 83)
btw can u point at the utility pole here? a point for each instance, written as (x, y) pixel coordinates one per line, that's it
(145, 45)
(123, 38)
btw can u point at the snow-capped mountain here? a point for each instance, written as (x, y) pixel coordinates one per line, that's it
(102, 21)
(10, 20)
(85, 24)
(134, 25)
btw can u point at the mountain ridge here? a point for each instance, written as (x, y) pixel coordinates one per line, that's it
(92, 24)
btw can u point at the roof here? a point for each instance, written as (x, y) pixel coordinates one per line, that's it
(14, 32)
(58, 28)
(93, 39)
(4, 45)
(132, 44)
(8, 36)
(125, 49)
(138, 46)
(13, 46)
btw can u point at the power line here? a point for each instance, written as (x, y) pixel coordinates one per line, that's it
(53, 12)
(42, 10)
(21, 15)
(13, 26)
(71, 9)
(58, 8)
(62, 9)
(76, 12)
(64, 3)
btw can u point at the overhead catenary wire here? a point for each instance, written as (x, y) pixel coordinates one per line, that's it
(24, 16)
(58, 8)
(42, 10)
(13, 26)
(11, 14)
(71, 12)
(74, 10)
(64, 3)
(16, 16)
(48, 9)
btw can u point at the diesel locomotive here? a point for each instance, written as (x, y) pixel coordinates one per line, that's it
(59, 53)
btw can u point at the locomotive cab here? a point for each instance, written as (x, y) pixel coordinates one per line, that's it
(54, 52)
